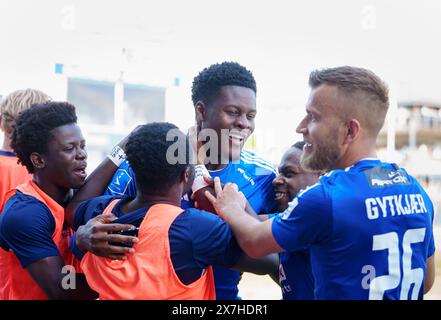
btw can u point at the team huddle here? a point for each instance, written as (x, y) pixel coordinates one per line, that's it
(182, 218)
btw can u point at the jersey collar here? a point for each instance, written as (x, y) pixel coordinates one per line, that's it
(7, 153)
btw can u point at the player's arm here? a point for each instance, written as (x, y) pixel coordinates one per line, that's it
(266, 265)
(430, 274)
(95, 184)
(254, 237)
(202, 203)
(213, 243)
(97, 234)
(430, 262)
(307, 220)
(27, 231)
(49, 273)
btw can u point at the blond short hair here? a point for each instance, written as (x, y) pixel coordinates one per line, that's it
(370, 94)
(18, 101)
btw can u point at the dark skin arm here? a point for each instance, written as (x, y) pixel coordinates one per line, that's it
(48, 274)
(94, 186)
(265, 265)
(96, 234)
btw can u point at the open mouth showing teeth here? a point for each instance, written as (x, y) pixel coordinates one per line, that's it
(236, 138)
(81, 172)
(279, 195)
(307, 146)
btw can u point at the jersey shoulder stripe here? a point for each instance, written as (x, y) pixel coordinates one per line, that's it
(251, 158)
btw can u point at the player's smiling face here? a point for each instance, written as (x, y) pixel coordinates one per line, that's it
(322, 130)
(291, 179)
(231, 114)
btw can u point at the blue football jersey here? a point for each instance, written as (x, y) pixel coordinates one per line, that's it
(369, 230)
(254, 177)
(295, 273)
(123, 182)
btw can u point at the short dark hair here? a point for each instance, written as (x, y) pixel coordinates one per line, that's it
(370, 92)
(32, 129)
(298, 145)
(146, 152)
(207, 83)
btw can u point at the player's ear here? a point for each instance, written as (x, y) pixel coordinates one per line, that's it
(200, 112)
(37, 160)
(188, 175)
(186, 179)
(5, 126)
(353, 128)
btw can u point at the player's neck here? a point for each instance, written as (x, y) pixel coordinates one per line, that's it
(221, 163)
(143, 199)
(7, 144)
(356, 154)
(59, 195)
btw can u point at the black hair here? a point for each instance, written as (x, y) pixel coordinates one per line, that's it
(152, 157)
(32, 129)
(299, 145)
(207, 83)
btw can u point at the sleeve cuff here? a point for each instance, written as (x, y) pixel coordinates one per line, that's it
(75, 250)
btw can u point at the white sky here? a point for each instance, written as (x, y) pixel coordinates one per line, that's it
(280, 41)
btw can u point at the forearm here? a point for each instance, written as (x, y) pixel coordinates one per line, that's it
(94, 186)
(249, 209)
(254, 237)
(59, 281)
(266, 265)
(430, 274)
(73, 287)
(248, 232)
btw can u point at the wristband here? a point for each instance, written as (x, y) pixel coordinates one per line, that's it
(199, 181)
(117, 155)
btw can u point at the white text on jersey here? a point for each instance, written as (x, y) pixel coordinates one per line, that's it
(390, 206)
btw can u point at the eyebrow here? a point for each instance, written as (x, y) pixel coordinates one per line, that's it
(74, 142)
(288, 167)
(238, 107)
(312, 111)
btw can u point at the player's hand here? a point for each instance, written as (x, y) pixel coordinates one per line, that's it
(196, 146)
(96, 234)
(200, 200)
(228, 201)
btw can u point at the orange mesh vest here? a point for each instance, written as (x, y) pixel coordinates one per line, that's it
(12, 174)
(148, 273)
(15, 281)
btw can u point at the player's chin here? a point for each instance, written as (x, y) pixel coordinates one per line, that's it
(282, 204)
(77, 181)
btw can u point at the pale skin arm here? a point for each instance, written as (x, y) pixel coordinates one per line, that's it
(248, 208)
(430, 274)
(254, 237)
